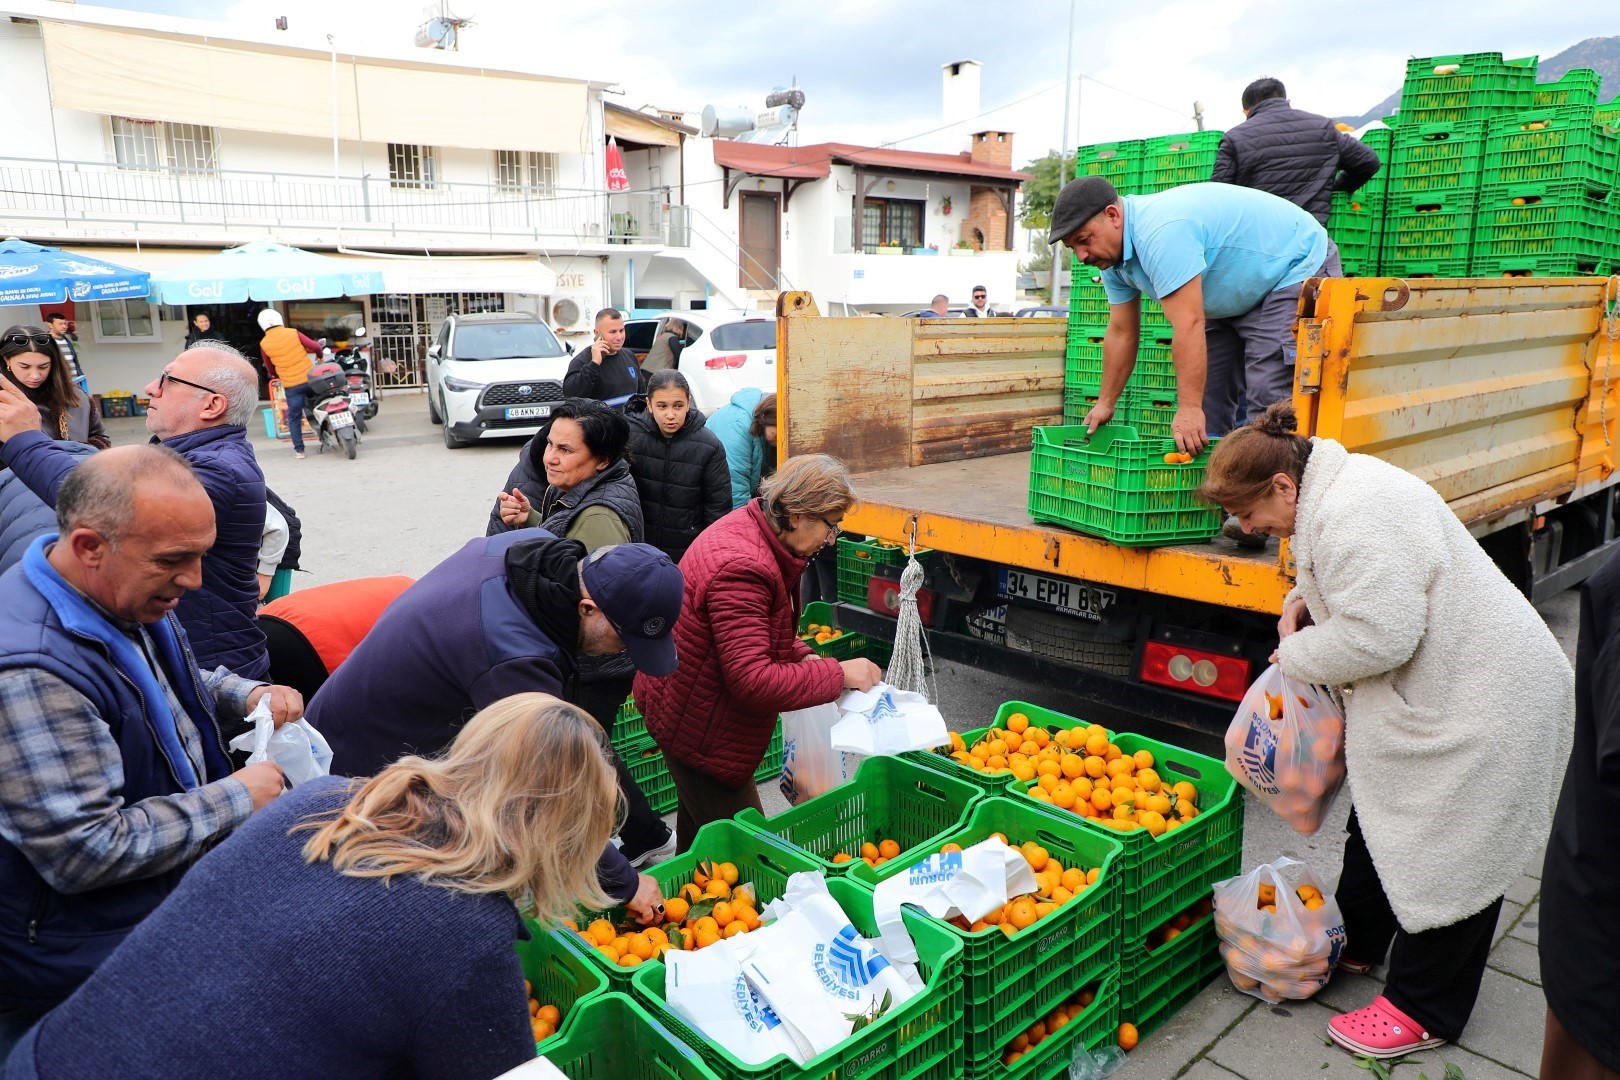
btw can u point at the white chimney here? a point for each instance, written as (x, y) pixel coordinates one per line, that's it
(960, 99)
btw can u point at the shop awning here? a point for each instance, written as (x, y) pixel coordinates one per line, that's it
(414, 274)
(627, 125)
(242, 86)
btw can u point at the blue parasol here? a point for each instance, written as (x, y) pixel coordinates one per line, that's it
(31, 274)
(262, 270)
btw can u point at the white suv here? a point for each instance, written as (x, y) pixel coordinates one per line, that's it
(493, 375)
(726, 351)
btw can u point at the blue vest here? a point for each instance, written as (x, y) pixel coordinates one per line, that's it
(50, 941)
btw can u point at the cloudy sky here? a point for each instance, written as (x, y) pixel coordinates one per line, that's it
(870, 69)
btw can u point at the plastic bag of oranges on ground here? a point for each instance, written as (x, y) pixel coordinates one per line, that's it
(1281, 932)
(1286, 744)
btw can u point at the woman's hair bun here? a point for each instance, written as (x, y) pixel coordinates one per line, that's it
(1278, 419)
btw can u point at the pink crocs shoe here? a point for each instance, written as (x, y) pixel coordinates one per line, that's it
(1380, 1030)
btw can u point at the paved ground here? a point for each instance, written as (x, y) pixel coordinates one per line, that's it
(406, 502)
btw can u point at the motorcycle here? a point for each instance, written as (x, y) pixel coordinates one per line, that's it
(333, 416)
(355, 360)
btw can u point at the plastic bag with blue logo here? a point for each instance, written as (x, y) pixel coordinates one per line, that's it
(707, 989)
(1281, 932)
(1286, 744)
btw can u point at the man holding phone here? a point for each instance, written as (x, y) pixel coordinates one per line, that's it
(607, 371)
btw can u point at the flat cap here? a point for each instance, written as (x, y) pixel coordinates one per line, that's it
(1079, 202)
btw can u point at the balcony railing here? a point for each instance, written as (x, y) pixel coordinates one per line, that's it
(88, 197)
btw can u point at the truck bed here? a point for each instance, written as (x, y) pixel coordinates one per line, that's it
(979, 507)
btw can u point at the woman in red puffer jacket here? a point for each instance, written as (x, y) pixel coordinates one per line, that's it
(742, 662)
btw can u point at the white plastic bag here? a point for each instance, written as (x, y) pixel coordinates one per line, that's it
(538, 1069)
(298, 748)
(810, 765)
(970, 883)
(1281, 932)
(884, 720)
(1286, 744)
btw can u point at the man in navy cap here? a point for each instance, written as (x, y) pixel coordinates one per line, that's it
(506, 614)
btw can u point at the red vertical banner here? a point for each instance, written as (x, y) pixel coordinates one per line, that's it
(617, 178)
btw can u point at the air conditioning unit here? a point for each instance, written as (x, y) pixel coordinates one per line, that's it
(569, 312)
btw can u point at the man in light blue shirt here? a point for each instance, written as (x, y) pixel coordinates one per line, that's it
(1226, 263)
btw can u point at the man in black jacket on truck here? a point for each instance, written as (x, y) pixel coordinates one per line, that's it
(1296, 155)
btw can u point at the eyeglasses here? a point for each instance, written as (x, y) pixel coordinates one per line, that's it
(978, 296)
(22, 341)
(165, 378)
(833, 531)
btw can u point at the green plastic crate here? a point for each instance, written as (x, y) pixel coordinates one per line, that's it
(1550, 228)
(849, 646)
(1437, 159)
(1099, 1023)
(1356, 224)
(762, 860)
(1550, 146)
(1009, 981)
(1173, 160)
(628, 726)
(1088, 302)
(1119, 162)
(645, 760)
(1116, 485)
(615, 1038)
(1161, 983)
(856, 559)
(1470, 86)
(920, 1040)
(559, 974)
(1577, 87)
(1428, 235)
(1155, 368)
(888, 798)
(1607, 113)
(1078, 402)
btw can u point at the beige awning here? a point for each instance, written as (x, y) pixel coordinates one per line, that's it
(237, 86)
(414, 274)
(633, 127)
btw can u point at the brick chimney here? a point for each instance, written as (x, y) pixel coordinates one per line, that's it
(991, 148)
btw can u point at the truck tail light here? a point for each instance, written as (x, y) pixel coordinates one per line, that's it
(883, 597)
(1195, 670)
(730, 360)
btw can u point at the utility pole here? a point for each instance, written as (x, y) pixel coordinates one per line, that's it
(1068, 88)
(1198, 114)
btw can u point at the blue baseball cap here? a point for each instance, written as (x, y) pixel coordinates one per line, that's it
(639, 590)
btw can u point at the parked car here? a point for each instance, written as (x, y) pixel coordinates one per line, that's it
(639, 335)
(493, 375)
(1041, 313)
(930, 313)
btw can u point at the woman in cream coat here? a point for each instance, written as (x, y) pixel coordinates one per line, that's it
(1458, 706)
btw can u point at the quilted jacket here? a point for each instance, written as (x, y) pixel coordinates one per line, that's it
(741, 660)
(1294, 154)
(684, 481)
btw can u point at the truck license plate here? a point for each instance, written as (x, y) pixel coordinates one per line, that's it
(1069, 597)
(528, 412)
(340, 419)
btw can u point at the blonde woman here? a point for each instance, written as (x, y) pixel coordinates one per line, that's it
(358, 928)
(742, 662)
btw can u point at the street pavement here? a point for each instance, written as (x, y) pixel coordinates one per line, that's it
(406, 502)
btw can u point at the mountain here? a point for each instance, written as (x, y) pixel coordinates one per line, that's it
(1600, 53)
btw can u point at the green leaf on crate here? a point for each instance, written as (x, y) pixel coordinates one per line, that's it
(700, 909)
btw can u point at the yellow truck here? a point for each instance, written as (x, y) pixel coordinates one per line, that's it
(1497, 392)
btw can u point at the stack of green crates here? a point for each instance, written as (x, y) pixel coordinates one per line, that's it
(646, 763)
(1356, 219)
(1170, 161)
(1119, 162)
(1547, 199)
(615, 1038)
(1114, 484)
(1495, 174)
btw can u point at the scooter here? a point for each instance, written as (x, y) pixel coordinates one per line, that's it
(334, 418)
(355, 359)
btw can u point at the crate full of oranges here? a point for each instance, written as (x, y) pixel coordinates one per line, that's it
(557, 978)
(714, 891)
(1036, 951)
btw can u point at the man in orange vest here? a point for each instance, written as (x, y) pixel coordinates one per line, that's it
(286, 354)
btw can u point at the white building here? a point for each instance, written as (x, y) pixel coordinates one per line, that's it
(152, 141)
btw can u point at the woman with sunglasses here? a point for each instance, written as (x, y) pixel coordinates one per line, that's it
(741, 660)
(30, 359)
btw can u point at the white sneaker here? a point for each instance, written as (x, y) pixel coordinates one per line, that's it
(652, 856)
